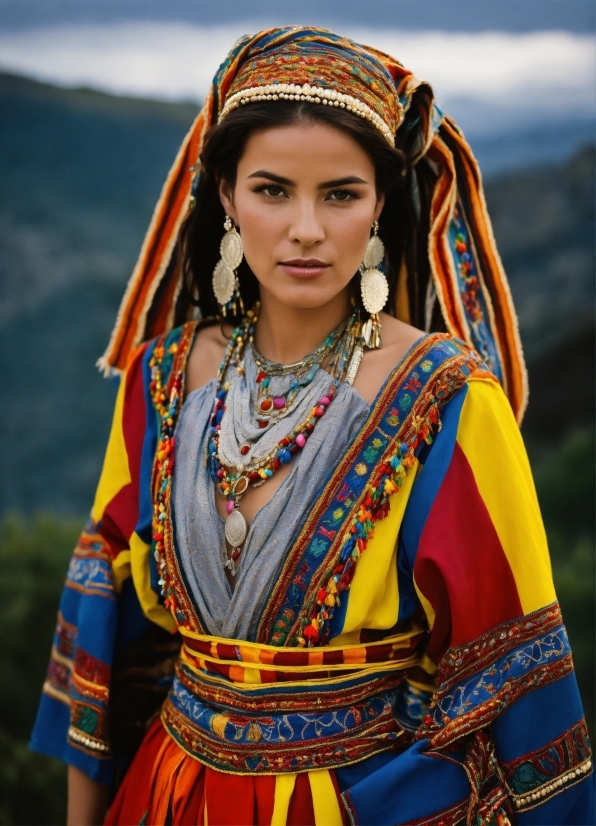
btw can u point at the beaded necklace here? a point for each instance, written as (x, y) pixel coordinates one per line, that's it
(341, 353)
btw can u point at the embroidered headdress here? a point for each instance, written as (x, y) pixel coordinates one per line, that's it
(315, 65)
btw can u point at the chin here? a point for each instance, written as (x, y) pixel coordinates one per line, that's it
(307, 296)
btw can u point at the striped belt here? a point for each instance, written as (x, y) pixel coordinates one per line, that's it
(246, 708)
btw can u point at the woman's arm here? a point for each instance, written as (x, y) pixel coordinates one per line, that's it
(87, 800)
(505, 729)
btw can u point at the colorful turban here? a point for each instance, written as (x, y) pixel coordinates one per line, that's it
(315, 65)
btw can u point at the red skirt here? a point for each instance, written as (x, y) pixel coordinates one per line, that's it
(164, 785)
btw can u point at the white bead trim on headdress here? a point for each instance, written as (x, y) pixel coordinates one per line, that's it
(312, 94)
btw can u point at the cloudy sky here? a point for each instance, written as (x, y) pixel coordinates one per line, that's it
(493, 63)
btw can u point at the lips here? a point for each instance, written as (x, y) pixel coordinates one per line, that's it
(304, 268)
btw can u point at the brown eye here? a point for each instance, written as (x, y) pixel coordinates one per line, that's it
(272, 190)
(342, 195)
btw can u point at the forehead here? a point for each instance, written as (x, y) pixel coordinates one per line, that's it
(307, 150)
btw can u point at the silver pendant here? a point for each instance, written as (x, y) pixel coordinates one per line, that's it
(235, 529)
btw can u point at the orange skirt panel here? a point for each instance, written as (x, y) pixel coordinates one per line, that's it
(164, 785)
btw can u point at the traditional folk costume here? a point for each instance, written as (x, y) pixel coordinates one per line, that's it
(393, 651)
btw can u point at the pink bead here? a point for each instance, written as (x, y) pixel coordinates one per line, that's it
(324, 401)
(229, 506)
(279, 402)
(301, 440)
(220, 473)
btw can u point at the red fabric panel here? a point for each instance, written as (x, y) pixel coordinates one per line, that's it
(119, 519)
(173, 788)
(264, 799)
(164, 781)
(230, 799)
(301, 811)
(460, 566)
(121, 514)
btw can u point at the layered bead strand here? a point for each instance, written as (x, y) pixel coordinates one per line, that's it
(232, 483)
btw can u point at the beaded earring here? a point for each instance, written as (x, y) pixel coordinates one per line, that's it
(374, 289)
(225, 280)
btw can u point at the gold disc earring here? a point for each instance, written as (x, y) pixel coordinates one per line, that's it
(226, 286)
(373, 288)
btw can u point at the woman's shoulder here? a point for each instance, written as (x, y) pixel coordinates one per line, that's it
(398, 339)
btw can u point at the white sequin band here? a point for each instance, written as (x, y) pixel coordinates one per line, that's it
(311, 94)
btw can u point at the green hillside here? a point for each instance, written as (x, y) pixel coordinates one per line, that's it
(81, 172)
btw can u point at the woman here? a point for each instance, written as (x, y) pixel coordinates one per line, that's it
(345, 565)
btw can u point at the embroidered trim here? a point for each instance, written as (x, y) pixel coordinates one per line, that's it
(168, 358)
(322, 562)
(338, 692)
(308, 736)
(479, 680)
(88, 728)
(89, 743)
(534, 777)
(561, 784)
(472, 290)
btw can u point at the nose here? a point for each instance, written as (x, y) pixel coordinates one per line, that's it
(306, 228)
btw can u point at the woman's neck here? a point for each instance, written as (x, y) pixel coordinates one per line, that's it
(287, 334)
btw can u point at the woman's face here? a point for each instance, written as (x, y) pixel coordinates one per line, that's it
(304, 202)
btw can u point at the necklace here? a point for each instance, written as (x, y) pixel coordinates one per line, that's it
(237, 461)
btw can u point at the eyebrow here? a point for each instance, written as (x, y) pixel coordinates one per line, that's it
(350, 179)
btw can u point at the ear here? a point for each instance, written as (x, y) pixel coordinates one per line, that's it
(226, 196)
(380, 205)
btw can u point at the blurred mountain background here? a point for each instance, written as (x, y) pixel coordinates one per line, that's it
(81, 171)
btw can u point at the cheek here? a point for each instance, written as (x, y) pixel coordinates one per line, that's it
(349, 232)
(261, 228)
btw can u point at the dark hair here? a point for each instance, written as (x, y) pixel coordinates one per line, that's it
(403, 234)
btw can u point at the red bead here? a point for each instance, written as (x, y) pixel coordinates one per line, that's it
(309, 428)
(235, 554)
(260, 376)
(276, 463)
(265, 404)
(284, 442)
(320, 411)
(253, 476)
(244, 449)
(262, 424)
